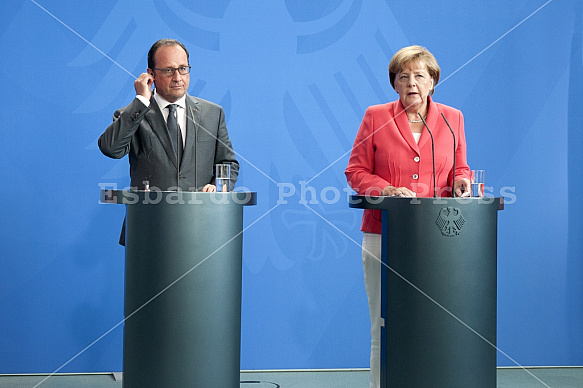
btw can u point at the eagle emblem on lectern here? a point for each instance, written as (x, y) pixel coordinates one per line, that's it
(450, 221)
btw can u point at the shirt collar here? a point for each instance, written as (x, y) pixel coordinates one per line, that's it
(162, 102)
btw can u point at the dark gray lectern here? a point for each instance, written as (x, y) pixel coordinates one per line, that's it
(438, 290)
(182, 287)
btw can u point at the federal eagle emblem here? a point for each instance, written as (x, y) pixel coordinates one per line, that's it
(450, 221)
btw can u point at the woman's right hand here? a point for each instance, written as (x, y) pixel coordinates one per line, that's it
(392, 191)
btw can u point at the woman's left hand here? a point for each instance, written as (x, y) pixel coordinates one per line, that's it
(462, 188)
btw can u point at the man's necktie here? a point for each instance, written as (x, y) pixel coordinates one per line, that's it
(174, 130)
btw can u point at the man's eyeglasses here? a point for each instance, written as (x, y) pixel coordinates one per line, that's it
(169, 71)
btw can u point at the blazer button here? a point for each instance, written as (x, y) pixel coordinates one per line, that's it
(416, 158)
(415, 176)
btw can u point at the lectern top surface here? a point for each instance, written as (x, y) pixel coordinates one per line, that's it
(384, 203)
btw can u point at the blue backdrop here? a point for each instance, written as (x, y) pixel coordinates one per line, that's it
(294, 77)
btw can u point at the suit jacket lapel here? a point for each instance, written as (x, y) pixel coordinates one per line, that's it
(401, 121)
(158, 125)
(192, 122)
(431, 120)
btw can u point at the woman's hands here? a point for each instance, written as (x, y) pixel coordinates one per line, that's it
(392, 191)
(462, 188)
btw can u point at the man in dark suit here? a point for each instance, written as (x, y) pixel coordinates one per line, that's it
(170, 148)
(157, 159)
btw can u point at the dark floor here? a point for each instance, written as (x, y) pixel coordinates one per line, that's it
(568, 377)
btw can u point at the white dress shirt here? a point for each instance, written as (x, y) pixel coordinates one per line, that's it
(180, 111)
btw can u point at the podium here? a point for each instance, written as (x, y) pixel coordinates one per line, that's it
(182, 287)
(438, 281)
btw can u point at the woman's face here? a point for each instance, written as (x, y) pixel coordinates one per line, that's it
(413, 84)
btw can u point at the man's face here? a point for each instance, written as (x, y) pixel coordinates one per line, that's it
(172, 87)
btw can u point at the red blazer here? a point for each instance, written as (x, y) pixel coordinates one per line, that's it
(385, 153)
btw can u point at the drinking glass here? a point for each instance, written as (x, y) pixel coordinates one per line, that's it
(478, 180)
(223, 177)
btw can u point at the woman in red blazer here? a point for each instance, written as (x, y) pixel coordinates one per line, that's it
(392, 156)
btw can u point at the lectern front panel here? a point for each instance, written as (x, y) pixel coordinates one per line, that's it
(183, 294)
